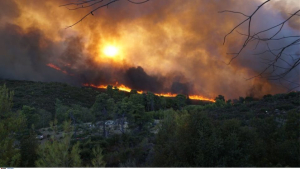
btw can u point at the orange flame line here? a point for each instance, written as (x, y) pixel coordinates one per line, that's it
(53, 66)
(59, 69)
(127, 89)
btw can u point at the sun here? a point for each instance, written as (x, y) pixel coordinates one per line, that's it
(110, 51)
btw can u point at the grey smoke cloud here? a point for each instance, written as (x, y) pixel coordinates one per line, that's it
(168, 46)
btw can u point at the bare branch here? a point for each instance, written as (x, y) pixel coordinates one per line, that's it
(91, 3)
(270, 71)
(248, 18)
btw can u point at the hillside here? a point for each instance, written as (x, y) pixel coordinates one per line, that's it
(159, 132)
(43, 95)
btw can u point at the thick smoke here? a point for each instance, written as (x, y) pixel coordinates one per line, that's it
(138, 79)
(166, 46)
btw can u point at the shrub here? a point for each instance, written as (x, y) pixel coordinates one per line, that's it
(286, 106)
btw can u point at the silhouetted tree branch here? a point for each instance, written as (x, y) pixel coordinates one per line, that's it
(271, 71)
(97, 4)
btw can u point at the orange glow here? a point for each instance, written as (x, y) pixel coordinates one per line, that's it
(127, 89)
(56, 68)
(110, 51)
(166, 94)
(168, 40)
(197, 97)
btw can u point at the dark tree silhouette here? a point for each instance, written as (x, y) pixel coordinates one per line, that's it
(274, 69)
(95, 5)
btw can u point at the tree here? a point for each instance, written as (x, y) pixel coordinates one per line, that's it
(45, 118)
(28, 149)
(97, 4)
(10, 124)
(280, 65)
(61, 111)
(150, 101)
(117, 95)
(163, 102)
(82, 114)
(136, 99)
(292, 125)
(273, 69)
(59, 153)
(109, 90)
(124, 109)
(180, 101)
(31, 115)
(220, 97)
(133, 91)
(97, 161)
(165, 146)
(103, 108)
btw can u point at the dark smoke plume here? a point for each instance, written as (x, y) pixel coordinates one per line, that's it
(167, 46)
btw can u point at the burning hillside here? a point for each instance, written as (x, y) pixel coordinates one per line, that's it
(166, 47)
(127, 89)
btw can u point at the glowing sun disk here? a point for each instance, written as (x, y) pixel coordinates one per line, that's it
(110, 51)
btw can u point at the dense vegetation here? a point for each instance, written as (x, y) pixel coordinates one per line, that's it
(153, 131)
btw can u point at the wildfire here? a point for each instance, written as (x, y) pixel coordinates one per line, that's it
(197, 97)
(56, 68)
(59, 69)
(127, 89)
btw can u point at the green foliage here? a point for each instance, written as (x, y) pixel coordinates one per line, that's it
(136, 99)
(117, 95)
(61, 111)
(292, 125)
(199, 139)
(287, 106)
(110, 91)
(80, 113)
(150, 101)
(103, 109)
(241, 100)
(31, 115)
(180, 101)
(44, 118)
(157, 114)
(244, 133)
(97, 161)
(220, 97)
(59, 153)
(103, 102)
(163, 102)
(249, 99)
(220, 103)
(28, 145)
(43, 95)
(165, 141)
(6, 98)
(10, 123)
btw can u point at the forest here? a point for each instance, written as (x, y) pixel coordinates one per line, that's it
(59, 125)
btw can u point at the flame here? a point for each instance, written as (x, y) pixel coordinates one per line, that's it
(128, 89)
(167, 39)
(58, 68)
(197, 97)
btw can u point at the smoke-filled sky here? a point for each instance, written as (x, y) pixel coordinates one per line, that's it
(163, 45)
